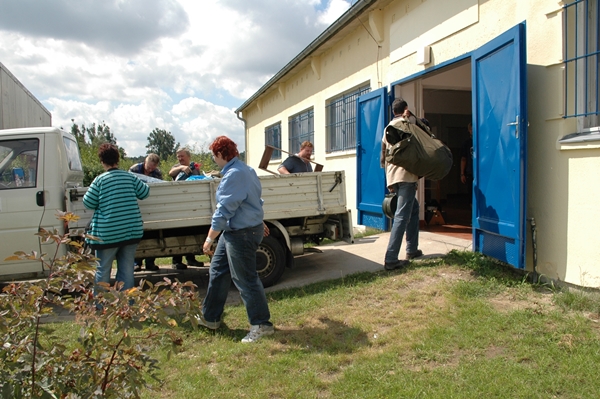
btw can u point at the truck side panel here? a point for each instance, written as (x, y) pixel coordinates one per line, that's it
(188, 204)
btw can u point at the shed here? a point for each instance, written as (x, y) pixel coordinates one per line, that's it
(18, 107)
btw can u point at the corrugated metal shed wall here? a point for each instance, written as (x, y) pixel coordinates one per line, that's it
(18, 107)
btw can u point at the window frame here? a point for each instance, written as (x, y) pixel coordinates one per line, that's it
(340, 111)
(273, 138)
(581, 58)
(301, 127)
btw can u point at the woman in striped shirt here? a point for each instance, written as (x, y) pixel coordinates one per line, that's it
(117, 221)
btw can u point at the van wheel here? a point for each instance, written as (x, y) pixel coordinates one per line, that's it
(270, 261)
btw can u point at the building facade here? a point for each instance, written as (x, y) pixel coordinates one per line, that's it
(524, 73)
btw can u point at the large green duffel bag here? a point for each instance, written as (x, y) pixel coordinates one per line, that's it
(416, 150)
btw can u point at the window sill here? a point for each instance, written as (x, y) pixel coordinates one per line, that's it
(585, 140)
(340, 154)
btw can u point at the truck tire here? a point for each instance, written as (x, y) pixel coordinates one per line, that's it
(270, 261)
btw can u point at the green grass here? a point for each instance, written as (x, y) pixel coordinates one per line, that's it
(169, 261)
(461, 327)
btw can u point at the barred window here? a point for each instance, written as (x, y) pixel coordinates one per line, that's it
(582, 60)
(273, 137)
(301, 128)
(341, 120)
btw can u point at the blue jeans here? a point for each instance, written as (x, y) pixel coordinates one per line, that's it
(235, 259)
(125, 262)
(406, 219)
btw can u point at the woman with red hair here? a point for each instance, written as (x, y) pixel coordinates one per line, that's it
(239, 215)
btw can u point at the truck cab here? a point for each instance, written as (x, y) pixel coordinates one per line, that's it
(36, 166)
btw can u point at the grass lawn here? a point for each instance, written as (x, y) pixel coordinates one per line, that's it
(458, 327)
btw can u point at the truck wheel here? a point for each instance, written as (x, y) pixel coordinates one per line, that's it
(270, 261)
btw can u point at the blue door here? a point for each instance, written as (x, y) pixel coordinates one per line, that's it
(370, 188)
(500, 147)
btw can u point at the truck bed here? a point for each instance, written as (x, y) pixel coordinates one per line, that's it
(192, 203)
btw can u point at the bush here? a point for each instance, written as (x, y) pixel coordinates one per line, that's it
(110, 357)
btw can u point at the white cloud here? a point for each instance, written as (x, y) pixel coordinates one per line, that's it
(333, 12)
(179, 65)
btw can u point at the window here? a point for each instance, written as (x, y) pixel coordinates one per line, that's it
(582, 60)
(18, 163)
(302, 128)
(73, 154)
(273, 137)
(341, 121)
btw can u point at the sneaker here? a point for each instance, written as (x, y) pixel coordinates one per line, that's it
(418, 253)
(180, 266)
(212, 325)
(152, 268)
(395, 265)
(256, 332)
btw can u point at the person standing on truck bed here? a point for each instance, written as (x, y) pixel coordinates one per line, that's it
(117, 221)
(298, 163)
(239, 215)
(181, 171)
(148, 168)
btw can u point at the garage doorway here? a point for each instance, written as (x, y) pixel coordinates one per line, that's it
(444, 98)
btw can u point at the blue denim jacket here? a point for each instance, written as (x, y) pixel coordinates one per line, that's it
(239, 204)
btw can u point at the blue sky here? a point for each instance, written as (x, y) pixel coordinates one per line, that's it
(179, 65)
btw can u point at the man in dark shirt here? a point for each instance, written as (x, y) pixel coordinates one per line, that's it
(149, 167)
(298, 163)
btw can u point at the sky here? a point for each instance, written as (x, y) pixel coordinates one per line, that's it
(183, 66)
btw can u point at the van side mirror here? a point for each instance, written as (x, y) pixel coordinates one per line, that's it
(39, 198)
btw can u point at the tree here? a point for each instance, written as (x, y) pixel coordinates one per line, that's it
(162, 143)
(88, 147)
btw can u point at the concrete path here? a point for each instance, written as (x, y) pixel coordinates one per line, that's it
(333, 262)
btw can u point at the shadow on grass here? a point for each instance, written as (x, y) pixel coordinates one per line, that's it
(329, 336)
(324, 286)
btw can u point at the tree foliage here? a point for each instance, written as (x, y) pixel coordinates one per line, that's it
(89, 139)
(162, 143)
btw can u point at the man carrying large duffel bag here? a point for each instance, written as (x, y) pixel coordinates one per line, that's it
(404, 184)
(413, 147)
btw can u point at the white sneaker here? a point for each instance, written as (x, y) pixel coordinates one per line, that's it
(256, 332)
(213, 325)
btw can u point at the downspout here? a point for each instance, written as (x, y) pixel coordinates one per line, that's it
(534, 245)
(237, 113)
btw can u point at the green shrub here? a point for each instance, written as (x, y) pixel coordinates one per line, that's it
(110, 357)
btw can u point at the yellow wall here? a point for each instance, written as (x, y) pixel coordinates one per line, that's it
(562, 180)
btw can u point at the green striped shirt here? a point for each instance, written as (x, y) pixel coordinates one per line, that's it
(113, 195)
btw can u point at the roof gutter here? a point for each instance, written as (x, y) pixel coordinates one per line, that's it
(334, 28)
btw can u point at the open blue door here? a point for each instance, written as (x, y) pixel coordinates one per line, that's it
(500, 147)
(370, 188)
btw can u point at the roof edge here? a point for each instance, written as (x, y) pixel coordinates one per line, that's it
(334, 28)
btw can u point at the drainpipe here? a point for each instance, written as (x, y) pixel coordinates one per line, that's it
(534, 245)
(245, 135)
